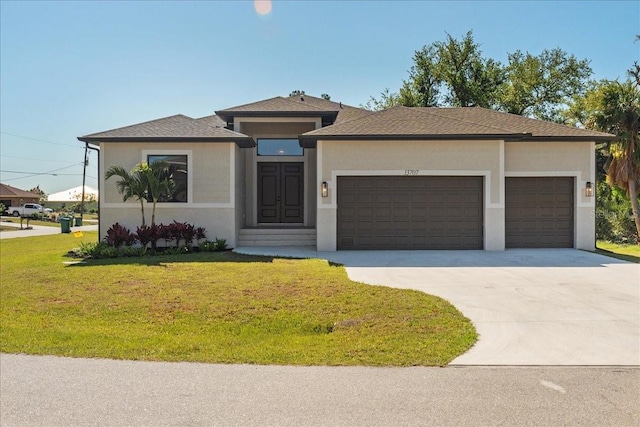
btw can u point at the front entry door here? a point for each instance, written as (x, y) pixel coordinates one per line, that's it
(280, 192)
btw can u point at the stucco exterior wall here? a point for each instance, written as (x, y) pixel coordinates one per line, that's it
(399, 158)
(211, 187)
(554, 158)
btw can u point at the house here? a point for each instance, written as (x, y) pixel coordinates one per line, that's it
(74, 195)
(12, 196)
(309, 171)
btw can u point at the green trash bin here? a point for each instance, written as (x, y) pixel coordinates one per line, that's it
(78, 221)
(65, 224)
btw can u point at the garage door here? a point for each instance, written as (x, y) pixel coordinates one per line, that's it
(539, 212)
(420, 212)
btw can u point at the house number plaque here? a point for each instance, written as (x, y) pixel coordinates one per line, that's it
(411, 172)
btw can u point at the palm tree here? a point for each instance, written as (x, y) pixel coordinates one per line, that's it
(158, 177)
(619, 114)
(131, 185)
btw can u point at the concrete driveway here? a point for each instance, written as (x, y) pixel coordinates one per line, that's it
(530, 307)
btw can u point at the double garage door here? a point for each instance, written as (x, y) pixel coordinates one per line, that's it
(410, 212)
(437, 212)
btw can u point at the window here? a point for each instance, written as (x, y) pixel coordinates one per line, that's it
(279, 147)
(177, 170)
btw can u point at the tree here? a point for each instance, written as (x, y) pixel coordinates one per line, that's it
(387, 100)
(296, 92)
(614, 107)
(325, 96)
(620, 115)
(131, 185)
(423, 87)
(454, 73)
(471, 80)
(540, 85)
(158, 177)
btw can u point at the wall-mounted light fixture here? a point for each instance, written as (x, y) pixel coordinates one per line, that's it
(588, 190)
(325, 189)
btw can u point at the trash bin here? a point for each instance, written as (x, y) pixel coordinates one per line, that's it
(78, 221)
(65, 224)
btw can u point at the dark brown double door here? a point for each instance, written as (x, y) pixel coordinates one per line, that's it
(280, 192)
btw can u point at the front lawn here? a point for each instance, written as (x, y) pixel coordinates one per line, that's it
(625, 252)
(217, 308)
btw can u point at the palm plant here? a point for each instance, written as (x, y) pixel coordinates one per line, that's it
(160, 185)
(131, 185)
(619, 113)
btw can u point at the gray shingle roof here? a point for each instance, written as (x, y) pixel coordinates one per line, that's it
(174, 128)
(295, 106)
(443, 123)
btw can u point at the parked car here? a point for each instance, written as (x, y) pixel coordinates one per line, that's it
(28, 209)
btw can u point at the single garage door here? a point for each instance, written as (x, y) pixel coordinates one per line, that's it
(539, 212)
(402, 212)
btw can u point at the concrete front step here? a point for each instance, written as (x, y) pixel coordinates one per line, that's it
(277, 237)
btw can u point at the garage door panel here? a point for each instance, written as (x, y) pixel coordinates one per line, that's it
(410, 213)
(539, 212)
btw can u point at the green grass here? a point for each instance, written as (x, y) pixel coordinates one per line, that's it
(217, 308)
(625, 252)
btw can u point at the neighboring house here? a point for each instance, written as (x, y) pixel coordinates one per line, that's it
(12, 196)
(74, 195)
(308, 171)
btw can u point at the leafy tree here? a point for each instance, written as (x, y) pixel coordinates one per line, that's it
(454, 73)
(423, 87)
(387, 100)
(325, 96)
(131, 185)
(540, 85)
(471, 80)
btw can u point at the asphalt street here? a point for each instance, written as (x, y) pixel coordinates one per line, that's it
(53, 391)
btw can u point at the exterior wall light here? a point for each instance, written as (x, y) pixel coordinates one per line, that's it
(588, 190)
(324, 189)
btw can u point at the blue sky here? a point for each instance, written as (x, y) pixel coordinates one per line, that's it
(72, 68)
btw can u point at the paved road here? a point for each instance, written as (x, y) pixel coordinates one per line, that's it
(52, 391)
(38, 230)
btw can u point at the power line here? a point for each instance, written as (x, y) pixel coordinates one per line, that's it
(38, 160)
(32, 174)
(39, 140)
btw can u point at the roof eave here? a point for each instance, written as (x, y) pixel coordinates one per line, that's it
(226, 115)
(306, 139)
(243, 142)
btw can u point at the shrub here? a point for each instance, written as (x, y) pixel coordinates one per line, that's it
(221, 244)
(166, 232)
(118, 236)
(208, 246)
(213, 246)
(145, 235)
